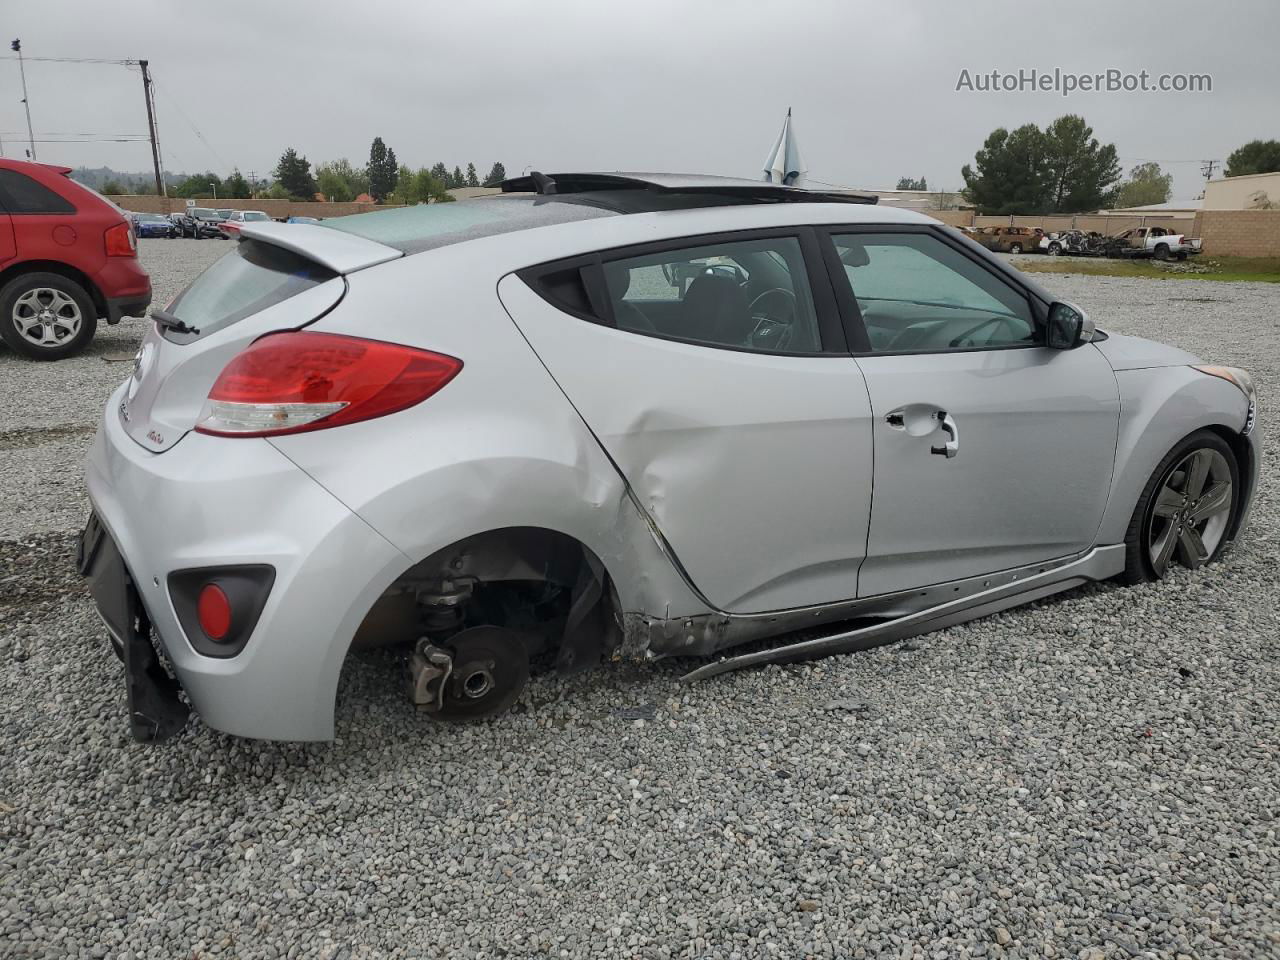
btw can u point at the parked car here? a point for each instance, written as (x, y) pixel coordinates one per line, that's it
(201, 222)
(1008, 239)
(1074, 242)
(224, 212)
(68, 258)
(634, 416)
(302, 220)
(231, 225)
(1158, 242)
(152, 225)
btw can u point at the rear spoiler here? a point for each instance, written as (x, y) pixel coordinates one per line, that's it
(338, 250)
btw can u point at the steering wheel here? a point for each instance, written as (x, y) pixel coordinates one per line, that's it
(959, 339)
(785, 315)
(774, 324)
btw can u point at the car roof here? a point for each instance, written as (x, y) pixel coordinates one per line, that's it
(540, 200)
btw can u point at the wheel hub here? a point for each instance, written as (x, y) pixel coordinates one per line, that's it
(474, 674)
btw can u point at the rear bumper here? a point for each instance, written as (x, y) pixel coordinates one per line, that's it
(211, 501)
(121, 307)
(125, 286)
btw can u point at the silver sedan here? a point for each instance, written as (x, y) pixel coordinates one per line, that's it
(621, 416)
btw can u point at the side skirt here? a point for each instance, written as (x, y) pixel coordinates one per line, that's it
(1099, 563)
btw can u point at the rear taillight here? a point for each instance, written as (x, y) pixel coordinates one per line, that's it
(298, 381)
(120, 241)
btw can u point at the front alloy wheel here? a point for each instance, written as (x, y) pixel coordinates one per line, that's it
(1185, 512)
(1190, 512)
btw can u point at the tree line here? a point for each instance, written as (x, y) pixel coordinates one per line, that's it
(383, 178)
(1064, 169)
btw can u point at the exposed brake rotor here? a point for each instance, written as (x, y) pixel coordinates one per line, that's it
(476, 673)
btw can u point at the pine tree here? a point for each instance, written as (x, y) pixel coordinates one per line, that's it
(383, 170)
(293, 173)
(236, 186)
(472, 179)
(496, 175)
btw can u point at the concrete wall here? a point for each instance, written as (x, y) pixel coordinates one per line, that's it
(1102, 223)
(1259, 191)
(1225, 233)
(1240, 233)
(273, 208)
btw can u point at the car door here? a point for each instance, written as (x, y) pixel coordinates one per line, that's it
(992, 451)
(714, 372)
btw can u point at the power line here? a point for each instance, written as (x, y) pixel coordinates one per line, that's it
(190, 123)
(121, 63)
(92, 140)
(64, 133)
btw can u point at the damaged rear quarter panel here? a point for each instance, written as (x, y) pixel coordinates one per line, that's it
(756, 467)
(498, 447)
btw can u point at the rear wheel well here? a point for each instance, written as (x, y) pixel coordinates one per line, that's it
(62, 269)
(541, 582)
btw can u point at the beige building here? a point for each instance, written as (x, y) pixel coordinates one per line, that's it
(1258, 191)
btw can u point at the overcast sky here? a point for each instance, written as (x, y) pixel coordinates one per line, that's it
(672, 85)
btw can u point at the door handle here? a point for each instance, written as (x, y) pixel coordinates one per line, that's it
(948, 425)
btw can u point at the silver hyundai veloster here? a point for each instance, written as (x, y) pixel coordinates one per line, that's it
(621, 415)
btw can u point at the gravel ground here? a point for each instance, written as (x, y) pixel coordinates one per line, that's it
(1093, 777)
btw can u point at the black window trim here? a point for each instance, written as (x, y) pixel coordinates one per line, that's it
(856, 330)
(831, 328)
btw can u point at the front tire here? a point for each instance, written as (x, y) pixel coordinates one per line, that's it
(1185, 511)
(46, 316)
(1015, 248)
(1055, 249)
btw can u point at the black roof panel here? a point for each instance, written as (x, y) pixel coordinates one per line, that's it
(757, 191)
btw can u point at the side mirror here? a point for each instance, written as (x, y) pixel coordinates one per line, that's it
(1069, 326)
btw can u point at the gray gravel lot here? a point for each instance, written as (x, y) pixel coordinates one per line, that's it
(1097, 776)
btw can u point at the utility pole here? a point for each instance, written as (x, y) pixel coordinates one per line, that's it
(151, 128)
(16, 47)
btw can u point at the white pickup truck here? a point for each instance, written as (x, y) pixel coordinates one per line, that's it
(1159, 242)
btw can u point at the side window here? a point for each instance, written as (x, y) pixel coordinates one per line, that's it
(745, 294)
(918, 295)
(20, 194)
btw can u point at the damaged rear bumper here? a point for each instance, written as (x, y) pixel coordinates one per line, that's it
(156, 712)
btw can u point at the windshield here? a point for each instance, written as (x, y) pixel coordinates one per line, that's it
(201, 212)
(248, 279)
(255, 215)
(149, 218)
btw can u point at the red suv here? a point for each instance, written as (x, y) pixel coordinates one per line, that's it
(67, 258)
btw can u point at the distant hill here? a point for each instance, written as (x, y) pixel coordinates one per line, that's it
(96, 176)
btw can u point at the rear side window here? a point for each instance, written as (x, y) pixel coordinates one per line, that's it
(19, 194)
(742, 294)
(249, 279)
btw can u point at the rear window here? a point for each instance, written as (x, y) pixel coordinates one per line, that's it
(19, 194)
(248, 279)
(430, 225)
